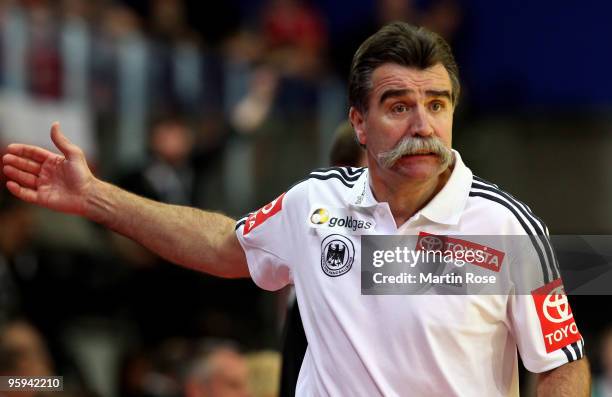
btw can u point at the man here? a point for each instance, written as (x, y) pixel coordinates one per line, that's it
(169, 175)
(345, 151)
(219, 370)
(23, 352)
(403, 90)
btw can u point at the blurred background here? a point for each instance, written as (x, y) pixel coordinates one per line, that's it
(223, 107)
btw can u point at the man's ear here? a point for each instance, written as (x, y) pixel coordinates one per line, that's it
(358, 121)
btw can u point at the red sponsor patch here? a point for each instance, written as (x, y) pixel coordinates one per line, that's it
(556, 319)
(265, 212)
(468, 251)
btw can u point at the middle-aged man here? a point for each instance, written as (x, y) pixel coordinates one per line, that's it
(403, 90)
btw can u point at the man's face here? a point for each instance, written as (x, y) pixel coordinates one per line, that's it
(172, 142)
(231, 376)
(412, 105)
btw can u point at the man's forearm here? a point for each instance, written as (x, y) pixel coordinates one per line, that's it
(569, 380)
(200, 240)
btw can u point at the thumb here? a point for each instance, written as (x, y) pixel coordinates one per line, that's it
(69, 149)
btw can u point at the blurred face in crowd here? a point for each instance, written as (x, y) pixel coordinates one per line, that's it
(228, 377)
(31, 358)
(407, 127)
(17, 229)
(606, 354)
(172, 142)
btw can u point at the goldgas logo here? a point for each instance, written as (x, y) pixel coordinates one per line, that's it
(319, 216)
(556, 318)
(339, 219)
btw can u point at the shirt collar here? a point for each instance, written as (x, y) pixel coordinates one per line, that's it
(446, 207)
(360, 195)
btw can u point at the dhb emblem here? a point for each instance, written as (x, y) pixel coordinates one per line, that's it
(337, 255)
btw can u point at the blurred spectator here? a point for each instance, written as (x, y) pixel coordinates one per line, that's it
(217, 370)
(295, 35)
(441, 16)
(168, 19)
(156, 372)
(44, 64)
(178, 62)
(23, 353)
(75, 43)
(160, 299)
(264, 373)
(602, 385)
(345, 150)
(344, 45)
(16, 231)
(251, 112)
(169, 175)
(14, 48)
(120, 70)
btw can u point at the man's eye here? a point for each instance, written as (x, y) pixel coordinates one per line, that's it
(399, 108)
(436, 106)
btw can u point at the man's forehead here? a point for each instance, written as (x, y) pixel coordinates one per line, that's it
(392, 76)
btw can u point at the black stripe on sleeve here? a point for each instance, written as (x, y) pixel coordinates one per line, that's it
(527, 230)
(349, 171)
(332, 176)
(240, 223)
(568, 354)
(479, 179)
(538, 228)
(334, 172)
(341, 172)
(576, 350)
(538, 225)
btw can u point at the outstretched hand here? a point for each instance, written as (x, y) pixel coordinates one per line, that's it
(50, 180)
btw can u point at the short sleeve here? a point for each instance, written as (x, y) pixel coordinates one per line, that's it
(267, 237)
(540, 314)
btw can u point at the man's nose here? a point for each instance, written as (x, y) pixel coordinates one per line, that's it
(419, 124)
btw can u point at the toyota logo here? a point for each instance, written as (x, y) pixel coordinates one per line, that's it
(556, 306)
(431, 243)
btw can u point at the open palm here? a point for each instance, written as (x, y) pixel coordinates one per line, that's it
(41, 177)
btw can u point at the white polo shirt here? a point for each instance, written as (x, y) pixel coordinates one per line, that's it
(398, 345)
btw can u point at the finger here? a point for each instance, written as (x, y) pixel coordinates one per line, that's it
(21, 163)
(25, 194)
(69, 149)
(30, 152)
(23, 178)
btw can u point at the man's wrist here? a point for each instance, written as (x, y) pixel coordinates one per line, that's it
(96, 204)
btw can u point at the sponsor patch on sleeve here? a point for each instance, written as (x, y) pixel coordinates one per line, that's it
(457, 249)
(556, 319)
(263, 214)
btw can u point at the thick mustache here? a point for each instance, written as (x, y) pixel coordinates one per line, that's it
(411, 146)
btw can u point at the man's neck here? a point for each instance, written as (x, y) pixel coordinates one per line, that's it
(406, 198)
